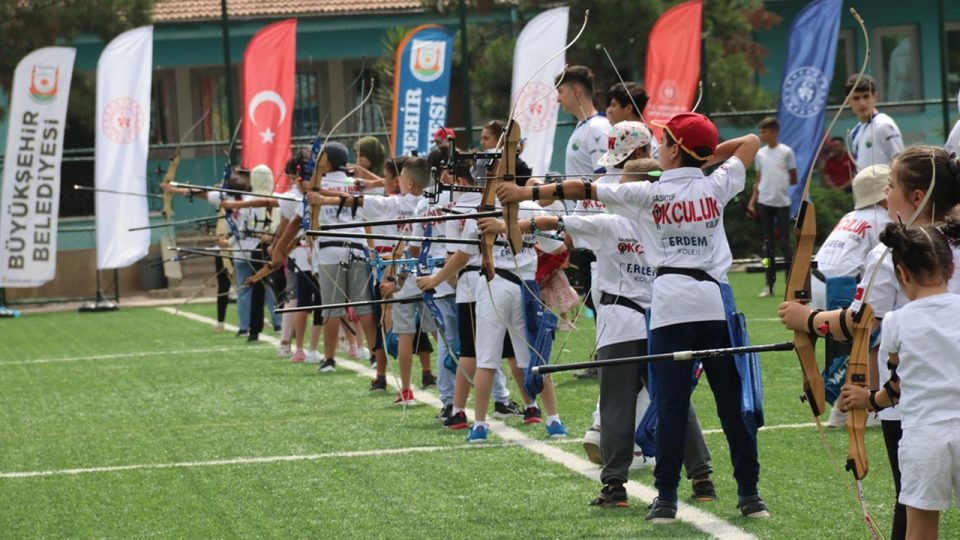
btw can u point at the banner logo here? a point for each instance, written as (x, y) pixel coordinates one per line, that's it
(427, 59)
(43, 83)
(535, 107)
(669, 91)
(805, 91)
(122, 120)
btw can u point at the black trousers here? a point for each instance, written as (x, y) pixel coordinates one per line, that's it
(673, 380)
(223, 289)
(772, 217)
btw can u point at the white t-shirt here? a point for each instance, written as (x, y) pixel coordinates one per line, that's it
(928, 343)
(844, 253)
(586, 144)
(467, 283)
(524, 264)
(377, 207)
(876, 141)
(774, 165)
(682, 214)
(622, 270)
(885, 297)
(334, 254)
(290, 208)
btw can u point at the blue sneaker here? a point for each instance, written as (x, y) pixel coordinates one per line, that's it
(478, 434)
(556, 430)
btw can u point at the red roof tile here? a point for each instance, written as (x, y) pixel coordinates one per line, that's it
(203, 10)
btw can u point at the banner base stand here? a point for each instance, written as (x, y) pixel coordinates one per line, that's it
(98, 305)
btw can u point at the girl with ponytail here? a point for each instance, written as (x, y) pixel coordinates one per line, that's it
(911, 175)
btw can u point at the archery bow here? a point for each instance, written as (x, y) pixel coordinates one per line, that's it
(505, 171)
(171, 172)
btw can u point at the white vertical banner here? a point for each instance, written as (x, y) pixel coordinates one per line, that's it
(30, 198)
(123, 126)
(536, 107)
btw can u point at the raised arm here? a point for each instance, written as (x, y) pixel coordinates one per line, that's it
(743, 148)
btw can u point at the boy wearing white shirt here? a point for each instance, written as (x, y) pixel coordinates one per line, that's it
(585, 146)
(683, 214)
(413, 179)
(876, 139)
(776, 168)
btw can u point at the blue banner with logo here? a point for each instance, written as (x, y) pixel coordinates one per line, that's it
(421, 88)
(811, 52)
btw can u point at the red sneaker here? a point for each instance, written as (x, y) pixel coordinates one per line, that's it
(298, 357)
(405, 397)
(532, 416)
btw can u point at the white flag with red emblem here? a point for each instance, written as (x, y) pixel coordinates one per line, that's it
(535, 104)
(31, 177)
(269, 68)
(123, 127)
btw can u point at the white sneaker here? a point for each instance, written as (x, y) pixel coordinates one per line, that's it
(353, 351)
(591, 444)
(283, 351)
(313, 357)
(641, 461)
(363, 353)
(767, 292)
(838, 418)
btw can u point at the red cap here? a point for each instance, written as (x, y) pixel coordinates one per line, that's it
(691, 130)
(444, 133)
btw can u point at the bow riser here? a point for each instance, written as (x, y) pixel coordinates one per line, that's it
(798, 290)
(507, 172)
(857, 374)
(171, 173)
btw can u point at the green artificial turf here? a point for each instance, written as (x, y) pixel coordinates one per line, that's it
(165, 389)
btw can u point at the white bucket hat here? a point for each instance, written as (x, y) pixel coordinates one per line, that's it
(625, 137)
(869, 186)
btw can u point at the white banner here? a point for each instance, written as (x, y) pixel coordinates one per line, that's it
(123, 126)
(536, 108)
(31, 174)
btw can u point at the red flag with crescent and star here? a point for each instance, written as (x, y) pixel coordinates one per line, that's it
(269, 65)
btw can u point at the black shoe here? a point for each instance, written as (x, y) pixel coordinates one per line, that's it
(328, 366)
(662, 512)
(754, 507)
(378, 385)
(373, 360)
(254, 337)
(241, 333)
(703, 490)
(427, 380)
(532, 415)
(506, 409)
(456, 421)
(612, 496)
(589, 373)
(445, 412)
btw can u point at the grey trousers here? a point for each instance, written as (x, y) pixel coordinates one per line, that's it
(619, 386)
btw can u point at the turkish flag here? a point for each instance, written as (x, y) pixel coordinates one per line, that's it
(673, 63)
(269, 70)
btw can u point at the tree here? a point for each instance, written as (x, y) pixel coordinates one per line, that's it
(26, 26)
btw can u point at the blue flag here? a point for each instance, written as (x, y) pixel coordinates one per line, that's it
(811, 52)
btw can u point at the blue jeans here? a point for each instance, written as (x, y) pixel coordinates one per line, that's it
(673, 404)
(445, 377)
(244, 293)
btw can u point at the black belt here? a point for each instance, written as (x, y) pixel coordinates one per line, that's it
(351, 245)
(694, 273)
(505, 274)
(607, 299)
(466, 269)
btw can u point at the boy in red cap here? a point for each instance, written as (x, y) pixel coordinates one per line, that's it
(680, 220)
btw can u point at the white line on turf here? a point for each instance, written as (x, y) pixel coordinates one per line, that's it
(126, 355)
(704, 521)
(768, 428)
(236, 461)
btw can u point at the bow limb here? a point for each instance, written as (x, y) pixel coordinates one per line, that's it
(798, 290)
